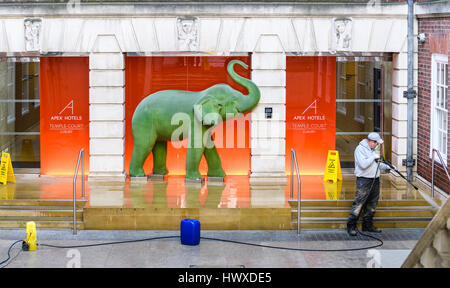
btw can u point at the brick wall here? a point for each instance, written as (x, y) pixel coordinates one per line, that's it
(437, 32)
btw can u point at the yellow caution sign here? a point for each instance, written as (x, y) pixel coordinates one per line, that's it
(6, 169)
(333, 169)
(31, 236)
(333, 190)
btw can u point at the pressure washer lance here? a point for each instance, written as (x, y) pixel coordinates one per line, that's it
(398, 172)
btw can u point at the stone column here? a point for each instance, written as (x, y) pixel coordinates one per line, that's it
(268, 134)
(400, 111)
(106, 110)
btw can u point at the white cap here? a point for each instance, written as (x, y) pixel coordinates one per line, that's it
(375, 137)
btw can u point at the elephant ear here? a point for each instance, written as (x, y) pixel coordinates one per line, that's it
(203, 106)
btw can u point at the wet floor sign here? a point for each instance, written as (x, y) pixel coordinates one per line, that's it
(333, 169)
(6, 170)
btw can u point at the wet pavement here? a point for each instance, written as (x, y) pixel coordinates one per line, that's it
(170, 253)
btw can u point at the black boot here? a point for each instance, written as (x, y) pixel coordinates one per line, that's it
(351, 225)
(367, 225)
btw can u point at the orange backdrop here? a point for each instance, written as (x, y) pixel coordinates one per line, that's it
(310, 111)
(64, 112)
(147, 75)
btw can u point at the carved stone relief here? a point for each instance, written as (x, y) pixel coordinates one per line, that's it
(32, 34)
(342, 34)
(187, 31)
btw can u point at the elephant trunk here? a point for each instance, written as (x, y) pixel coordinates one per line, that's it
(245, 103)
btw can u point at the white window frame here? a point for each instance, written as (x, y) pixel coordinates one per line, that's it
(11, 90)
(358, 116)
(36, 78)
(25, 88)
(436, 133)
(342, 93)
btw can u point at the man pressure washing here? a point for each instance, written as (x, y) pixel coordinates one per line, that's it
(367, 171)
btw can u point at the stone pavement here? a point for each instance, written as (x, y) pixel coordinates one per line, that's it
(216, 254)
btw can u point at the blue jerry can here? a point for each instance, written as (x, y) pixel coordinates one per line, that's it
(190, 231)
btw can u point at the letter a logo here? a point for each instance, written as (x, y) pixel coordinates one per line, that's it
(313, 105)
(68, 106)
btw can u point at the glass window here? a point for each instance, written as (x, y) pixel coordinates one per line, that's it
(20, 113)
(439, 104)
(364, 89)
(341, 93)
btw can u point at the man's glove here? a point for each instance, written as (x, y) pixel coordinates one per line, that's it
(376, 156)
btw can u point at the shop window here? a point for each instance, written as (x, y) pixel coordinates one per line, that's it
(25, 89)
(361, 92)
(365, 90)
(341, 94)
(147, 75)
(439, 104)
(10, 91)
(64, 112)
(310, 111)
(19, 130)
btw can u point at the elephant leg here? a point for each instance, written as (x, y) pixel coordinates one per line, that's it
(143, 145)
(214, 164)
(195, 150)
(159, 158)
(193, 157)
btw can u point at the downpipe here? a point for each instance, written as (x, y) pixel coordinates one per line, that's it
(410, 95)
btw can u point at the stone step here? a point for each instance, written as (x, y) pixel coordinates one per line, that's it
(38, 219)
(39, 213)
(56, 214)
(380, 213)
(348, 203)
(401, 208)
(41, 224)
(54, 208)
(381, 222)
(41, 202)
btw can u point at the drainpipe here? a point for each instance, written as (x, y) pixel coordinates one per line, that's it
(410, 94)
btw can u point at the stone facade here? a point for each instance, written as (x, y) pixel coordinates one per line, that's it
(107, 108)
(268, 31)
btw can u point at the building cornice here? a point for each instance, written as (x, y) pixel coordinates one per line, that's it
(432, 9)
(202, 9)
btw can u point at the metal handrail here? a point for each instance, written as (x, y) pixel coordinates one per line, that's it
(80, 156)
(432, 169)
(294, 158)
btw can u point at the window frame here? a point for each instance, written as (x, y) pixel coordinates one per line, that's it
(359, 115)
(342, 93)
(11, 90)
(437, 59)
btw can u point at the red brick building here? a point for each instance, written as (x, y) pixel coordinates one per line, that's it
(433, 105)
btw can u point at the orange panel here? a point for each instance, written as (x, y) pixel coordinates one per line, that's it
(64, 112)
(147, 75)
(310, 111)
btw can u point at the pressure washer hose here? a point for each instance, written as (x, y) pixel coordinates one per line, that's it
(380, 243)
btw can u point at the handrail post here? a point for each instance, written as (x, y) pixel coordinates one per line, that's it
(82, 174)
(294, 159)
(80, 155)
(432, 173)
(432, 168)
(292, 175)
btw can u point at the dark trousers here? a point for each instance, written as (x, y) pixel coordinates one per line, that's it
(366, 199)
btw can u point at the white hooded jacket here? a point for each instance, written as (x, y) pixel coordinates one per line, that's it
(365, 164)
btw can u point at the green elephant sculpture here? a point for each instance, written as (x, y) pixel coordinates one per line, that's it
(153, 123)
